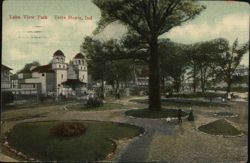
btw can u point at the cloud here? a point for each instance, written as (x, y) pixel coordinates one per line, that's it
(17, 55)
(230, 27)
(21, 46)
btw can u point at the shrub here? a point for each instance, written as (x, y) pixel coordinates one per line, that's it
(7, 97)
(94, 102)
(67, 129)
(191, 116)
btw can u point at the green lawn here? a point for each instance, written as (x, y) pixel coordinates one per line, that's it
(184, 102)
(34, 140)
(219, 127)
(146, 113)
(225, 114)
(106, 106)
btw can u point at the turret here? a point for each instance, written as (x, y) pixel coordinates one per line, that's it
(58, 61)
(81, 66)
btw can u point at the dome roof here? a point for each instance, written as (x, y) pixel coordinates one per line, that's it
(58, 53)
(79, 56)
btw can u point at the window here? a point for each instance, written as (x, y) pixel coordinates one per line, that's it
(79, 61)
(62, 76)
(82, 76)
(59, 66)
(42, 74)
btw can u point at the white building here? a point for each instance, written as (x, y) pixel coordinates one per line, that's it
(5, 77)
(57, 77)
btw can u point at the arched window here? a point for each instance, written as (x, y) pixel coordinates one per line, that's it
(59, 66)
(79, 61)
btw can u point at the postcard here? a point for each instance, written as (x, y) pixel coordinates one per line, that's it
(124, 81)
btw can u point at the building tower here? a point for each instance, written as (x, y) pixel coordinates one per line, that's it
(60, 68)
(81, 67)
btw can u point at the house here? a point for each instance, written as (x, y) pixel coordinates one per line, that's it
(57, 77)
(5, 77)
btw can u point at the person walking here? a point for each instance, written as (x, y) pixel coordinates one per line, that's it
(179, 116)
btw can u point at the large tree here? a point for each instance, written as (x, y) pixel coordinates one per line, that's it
(229, 59)
(149, 19)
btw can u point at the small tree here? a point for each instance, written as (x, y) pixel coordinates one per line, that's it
(7, 97)
(229, 59)
(173, 62)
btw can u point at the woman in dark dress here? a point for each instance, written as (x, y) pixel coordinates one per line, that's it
(179, 116)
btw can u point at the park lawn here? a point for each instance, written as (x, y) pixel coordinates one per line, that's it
(106, 106)
(184, 102)
(219, 127)
(34, 140)
(224, 114)
(146, 113)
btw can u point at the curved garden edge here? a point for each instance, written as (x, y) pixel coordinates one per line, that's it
(108, 156)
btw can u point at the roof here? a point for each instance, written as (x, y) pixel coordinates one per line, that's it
(73, 82)
(24, 71)
(43, 68)
(58, 53)
(79, 56)
(5, 67)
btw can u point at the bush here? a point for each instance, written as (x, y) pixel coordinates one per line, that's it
(67, 129)
(7, 97)
(191, 116)
(94, 102)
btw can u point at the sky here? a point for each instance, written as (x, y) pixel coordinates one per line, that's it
(25, 40)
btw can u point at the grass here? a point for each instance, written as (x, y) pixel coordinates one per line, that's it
(106, 106)
(219, 127)
(146, 113)
(225, 114)
(34, 140)
(199, 94)
(183, 102)
(32, 104)
(26, 117)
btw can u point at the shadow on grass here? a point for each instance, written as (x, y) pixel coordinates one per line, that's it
(146, 113)
(183, 102)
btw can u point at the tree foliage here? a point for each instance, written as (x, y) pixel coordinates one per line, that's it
(148, 19)
(173, 61)
(229, 59)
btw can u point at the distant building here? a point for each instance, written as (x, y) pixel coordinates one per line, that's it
(5, 77)
(57, 77)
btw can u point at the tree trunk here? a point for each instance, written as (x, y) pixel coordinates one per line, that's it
(163, 84)
(154, 78)
(194, 79)
(229, 86)
(102, 89)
